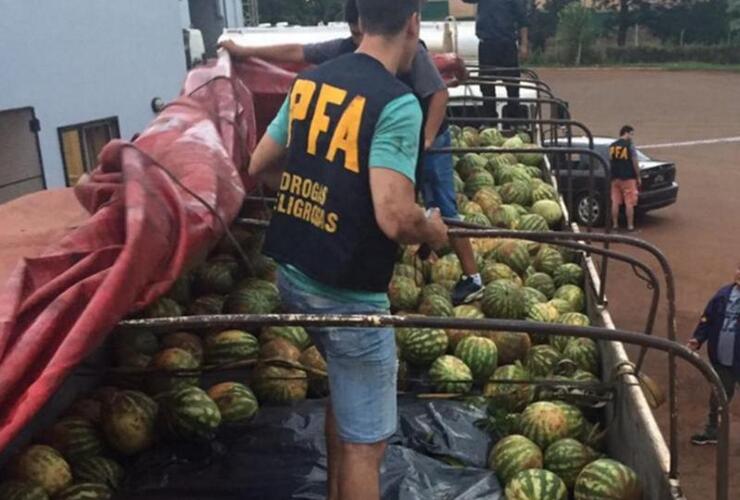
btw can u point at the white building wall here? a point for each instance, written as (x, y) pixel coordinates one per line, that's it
(76, 61)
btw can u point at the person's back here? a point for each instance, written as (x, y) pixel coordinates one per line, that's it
(620, 159)
(625, 173)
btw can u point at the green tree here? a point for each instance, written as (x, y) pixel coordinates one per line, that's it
(304, 12)
(576, 31)
(733, 13)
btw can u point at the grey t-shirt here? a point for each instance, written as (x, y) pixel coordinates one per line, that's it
(424, 77)
(728, 333)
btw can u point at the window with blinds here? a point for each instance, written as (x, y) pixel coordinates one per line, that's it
(81, 144)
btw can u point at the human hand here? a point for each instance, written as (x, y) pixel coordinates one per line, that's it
(437, 230)
(693, 344)
(228, 44)
(524, 53)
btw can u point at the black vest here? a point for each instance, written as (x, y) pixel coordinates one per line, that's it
(620, 158)
(324, 221)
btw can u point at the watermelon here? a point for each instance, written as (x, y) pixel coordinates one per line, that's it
(559, 342)
(186, 341)
(42, 465)
(491, 137)
(129, 342)
(520, 210)
(75, 438)
(512, 397)
(534, 172)
(533, 159)
(454, 335)
(403, 293)
(99, 470)
(532, 222)
(477, 180)
(230, 346)
(264, 267)
(573, 295)
(477, 219)
(547, 260)
(85, 491)
(517, 192)
(279, 348)
(216, 277)
(544, 423)
(296, 335)
(447, 268)
(574, 319)
(480, 355)
(493, 271)
(513, 253)
(169, 360)
(568, 274)
(449, 374)
(421, 346)
(278, 385)
(503, 299)
(541, 359)
(549, 210)
(87, 408)
(567, 458)
(561, 306)
(503, 216)
(470, 163)
(236, 403)
(607, 479)
(22, 490)
(570, 255)
(584, 352)
(503, 173)
(458, 182)
(543, 313)
(470, 208)
(574, 418)
(536, 484)
(164, 307)
(435, 289)
(512, 455)
(543, 191)
(542, 282)
(410, 271)
(318, 385)
(436, 305)
(128, 421)
(488, 199)
(511, 346)
(206, 305)
(533, 296)
(191, 415)
(252, 301)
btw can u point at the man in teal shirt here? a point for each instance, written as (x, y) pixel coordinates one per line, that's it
(341, 155)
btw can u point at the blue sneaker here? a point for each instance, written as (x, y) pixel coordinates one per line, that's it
(466, 290)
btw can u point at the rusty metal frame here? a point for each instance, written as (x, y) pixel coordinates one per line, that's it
(477, 69)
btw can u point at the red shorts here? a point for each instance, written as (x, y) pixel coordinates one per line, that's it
(624, 191)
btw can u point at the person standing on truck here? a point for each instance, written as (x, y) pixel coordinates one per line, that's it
(498, 26)
(436, 180)
(626, 182)
(341, 155)
(719, 326)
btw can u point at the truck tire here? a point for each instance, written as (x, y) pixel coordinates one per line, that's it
(589, 209)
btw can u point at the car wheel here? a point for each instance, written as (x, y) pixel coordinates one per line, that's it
(589, 210)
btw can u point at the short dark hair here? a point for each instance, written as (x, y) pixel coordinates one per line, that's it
(386, 17)
(351, 15)
(627, 129)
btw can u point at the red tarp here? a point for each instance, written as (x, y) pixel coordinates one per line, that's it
(144, 229)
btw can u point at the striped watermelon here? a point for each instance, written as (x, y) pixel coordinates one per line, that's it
(511, 346)
(296, 335)
(512, 397)
(543, 191)
(544, 423)
(477, 180)
(488, 199)
(517, 191)
(75, 438)
(572, 294)
(318, 386)
(22, 490)
(503, 299)
(99, 470)
(264, 267)
(206, 304)
(575, 319)
(470, 162)
(279, 348)
(533, 296)
(164, 307)
(458, 182)
(574, 417)
(547, 260)
(503, 216)
(169, 360)
(436, 305)
(230, 346)
(477, 219)
(561, 306)
(42, 465)
(128, 343)
(87, 408)
(550, 210)
(567, 458)
(470, 208)
(520, 208)
(236, 402)
(541, 359)
(128, 421)
(504, 174)
(536, 484)
(493, 271)
(454, 336)
(543, 313)
(450, 375)
(85, 491)
(534, 172)
(542, 282)
(421, 346)
(584, 352)
(186, 341)
(216, 277)
(512, 455)
(480, 355)
(607, 479)
(447, 268)
(568, 274)
(532, 222)
(435, 289)
(278, 385)
(190, 414)
(559, 342)
(252, 301)
(410, 271)
(513, 253)
(403, 293)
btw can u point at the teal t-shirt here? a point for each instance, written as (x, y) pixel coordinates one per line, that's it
(395, 146)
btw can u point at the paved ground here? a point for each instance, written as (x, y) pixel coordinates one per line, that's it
(700, 234)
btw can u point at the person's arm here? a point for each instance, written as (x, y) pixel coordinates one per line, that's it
(428, 84)
(703, 329)
(635, 164)
(287, 53)
(521, 18)
(268, 160)
(435, 115)
(524, 43)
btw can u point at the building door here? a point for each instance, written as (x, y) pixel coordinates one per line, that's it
(81, 144)
(21, 171)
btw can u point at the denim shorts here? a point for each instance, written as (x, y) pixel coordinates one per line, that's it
(437, 183)
(362, 366)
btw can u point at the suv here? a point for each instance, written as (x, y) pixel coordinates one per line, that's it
(659, 188)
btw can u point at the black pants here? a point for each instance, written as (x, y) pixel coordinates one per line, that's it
(501, 55)
(729, 381)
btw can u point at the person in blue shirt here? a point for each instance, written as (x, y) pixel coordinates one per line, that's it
(719, 327)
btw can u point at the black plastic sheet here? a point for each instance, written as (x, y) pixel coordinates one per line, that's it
(436, 453)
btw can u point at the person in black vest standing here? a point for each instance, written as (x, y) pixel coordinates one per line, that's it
(342, 156)
(626, 180)
(499, 24)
